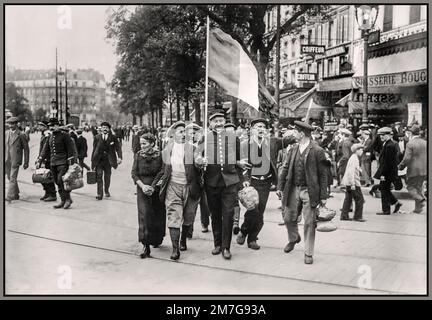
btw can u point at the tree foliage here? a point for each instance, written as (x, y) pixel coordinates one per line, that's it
(17, 103)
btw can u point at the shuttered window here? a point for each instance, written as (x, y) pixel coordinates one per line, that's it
(414, 14)
(388, 18)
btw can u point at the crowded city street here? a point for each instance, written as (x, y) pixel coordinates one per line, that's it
(92, 248)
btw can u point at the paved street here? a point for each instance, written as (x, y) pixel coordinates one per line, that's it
(94, 244)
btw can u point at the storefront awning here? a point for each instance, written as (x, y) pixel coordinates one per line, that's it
(344, 83)
(301, 105)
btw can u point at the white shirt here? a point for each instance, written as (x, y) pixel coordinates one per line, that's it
(302, 147)
(178, 174)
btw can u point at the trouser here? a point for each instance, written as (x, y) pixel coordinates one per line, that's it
(415, 188)
(83, 165)
(204, 210)
(254, 219)
(387, 197)
(12, 175)
(358, 199)
(298, 199)
(221, 201)
(49, 188)
(366, 171)
(58, 172)
(181, 208)
(103, 169)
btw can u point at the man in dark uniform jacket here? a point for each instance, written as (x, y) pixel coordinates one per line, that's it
(303, 184)
(221, 179)
(60, 151)
(387, 171)
(81, 145)
(259, 152)
(106, 147)
(50, 190)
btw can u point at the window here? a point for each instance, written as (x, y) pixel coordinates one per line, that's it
(292, 75)
(345, 28)
(330, 34)
(76, 83)
(388, 18)
(400, 16)
(319, 35)
(310, 41)
(414, 14)
(330, 67)
(83, 84)
(293, 49)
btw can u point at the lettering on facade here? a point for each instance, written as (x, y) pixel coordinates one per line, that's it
(335, 51)
(306, 76)
(311, 49)
(394, 79)
(382, 98)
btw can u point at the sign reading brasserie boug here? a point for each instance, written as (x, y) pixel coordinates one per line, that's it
(394, 79)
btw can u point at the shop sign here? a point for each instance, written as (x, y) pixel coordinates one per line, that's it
(414, 113)
(407, 78)
(308, 49)
(303, 76)
(383, 98)
(335, 51)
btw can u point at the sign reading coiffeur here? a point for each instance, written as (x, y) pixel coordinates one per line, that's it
(312, 49)
(394, 79)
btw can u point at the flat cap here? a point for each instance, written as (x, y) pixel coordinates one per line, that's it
(385, 130)
(43, 123)
(366, 132)
(364, 126)
(356, 146)
(215, 115)
(106, 124)
(414, 129)
(230, 125)
(397, 122)
(70, 125)
(79, 131)
(259, 120)
(349, 125)
(178, 124)
(303, 126)
(12, 120)
(194, 126)
(345, 131)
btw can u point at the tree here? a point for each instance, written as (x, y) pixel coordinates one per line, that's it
(40, 114)
(17, 103)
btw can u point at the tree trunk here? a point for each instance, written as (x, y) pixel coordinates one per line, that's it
(171, 112)
(160, 116)
(197, 107)
(152, 118)
(187, 107)
(141, 119)
(233, 113)
(178, 107)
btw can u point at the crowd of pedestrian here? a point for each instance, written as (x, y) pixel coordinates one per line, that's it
(180, 168)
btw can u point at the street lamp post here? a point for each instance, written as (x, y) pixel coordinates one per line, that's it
(61, 76)
(366, 17)
(54, 108)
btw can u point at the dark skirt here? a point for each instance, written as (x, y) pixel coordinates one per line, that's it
(151, 218)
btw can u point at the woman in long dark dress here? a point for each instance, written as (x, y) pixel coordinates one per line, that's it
(146, 172)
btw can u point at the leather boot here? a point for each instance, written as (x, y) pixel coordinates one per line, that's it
(175, 237)
(46, 195)
(183, 238)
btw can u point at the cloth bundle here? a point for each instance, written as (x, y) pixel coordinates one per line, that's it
(73, 178)
(248, 197)
(324, 219)
(42, 175)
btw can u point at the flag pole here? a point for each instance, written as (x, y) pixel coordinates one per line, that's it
(206, 87)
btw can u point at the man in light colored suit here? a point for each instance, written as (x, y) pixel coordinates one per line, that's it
(16, 145)
(415, 161)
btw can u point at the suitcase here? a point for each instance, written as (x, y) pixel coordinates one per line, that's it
(42, 175)
(91, 177)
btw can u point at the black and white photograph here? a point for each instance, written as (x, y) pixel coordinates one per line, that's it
(216, 150)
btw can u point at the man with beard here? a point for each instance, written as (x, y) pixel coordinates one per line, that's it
(303, 184)
(50, 190)
(106, 148)
(16, 146)
(222, 176)
(60, 152)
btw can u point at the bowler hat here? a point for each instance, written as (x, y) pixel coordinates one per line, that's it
(384, 130)
(106, 124)
(217, 114)
(12, 120)
(303, 126)
(259, 120)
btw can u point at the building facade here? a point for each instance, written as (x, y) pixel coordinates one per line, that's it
(86, 91)
(335, 74)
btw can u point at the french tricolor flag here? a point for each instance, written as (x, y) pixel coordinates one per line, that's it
(231, 68)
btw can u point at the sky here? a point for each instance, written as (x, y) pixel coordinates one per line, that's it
(34, 31)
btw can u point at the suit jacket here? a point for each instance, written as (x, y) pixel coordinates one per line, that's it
(44, 140)
(114, 149)
(81, 145)
(367, 152)
(223, 152)
(387, 162)
(267, 163)
(193, 174)
(16, 148)
(415, 158)
(136, 142)
(316, 174)
(59, 149)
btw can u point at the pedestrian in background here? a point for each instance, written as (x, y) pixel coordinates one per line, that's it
(16, 147)
(60, 152)
(415, 162)
(387, 171)
(106, 154)
(366, 160)
(351, 180)
(82, 149)
(147, 169)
